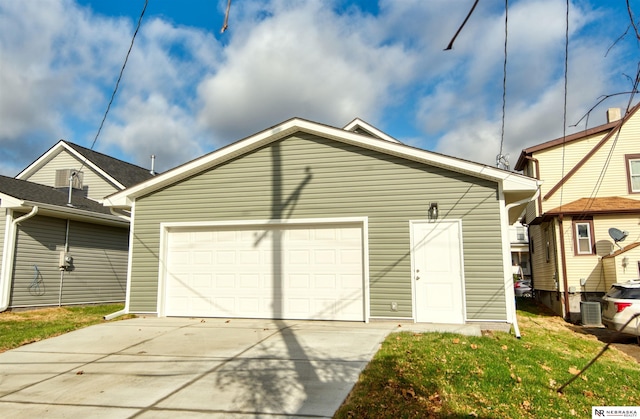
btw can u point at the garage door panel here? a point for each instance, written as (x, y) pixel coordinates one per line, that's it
(318, 272)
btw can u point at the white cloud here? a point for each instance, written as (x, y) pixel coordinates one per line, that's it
(187, 92)
(466, 111)
(50, 73)
(154, 126)
(305, 61)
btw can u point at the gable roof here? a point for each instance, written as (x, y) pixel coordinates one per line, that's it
(118, 172)
(22, 194)
(520, 186)
(611, 129)
(562, 140)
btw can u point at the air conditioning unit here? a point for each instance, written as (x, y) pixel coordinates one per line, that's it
(590, 313)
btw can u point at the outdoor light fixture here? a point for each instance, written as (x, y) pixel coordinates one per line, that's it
(625, 262)
(433, 211)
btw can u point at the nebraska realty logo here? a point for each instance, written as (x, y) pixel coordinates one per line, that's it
(615, 412)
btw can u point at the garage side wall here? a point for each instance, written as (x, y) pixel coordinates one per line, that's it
(308, 177)
(98, 273)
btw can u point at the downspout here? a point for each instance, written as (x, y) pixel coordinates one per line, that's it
(125, 310)
(8, 255)
(563, 264)
(516, 329)
(536, 164)
(62, 269)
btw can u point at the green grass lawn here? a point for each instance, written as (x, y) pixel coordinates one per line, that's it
(494, 376)
(21, 327)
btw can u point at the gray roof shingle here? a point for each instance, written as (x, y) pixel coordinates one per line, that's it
(126, 173)
(28, 191)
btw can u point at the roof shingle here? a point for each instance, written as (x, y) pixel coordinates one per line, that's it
(36, 193)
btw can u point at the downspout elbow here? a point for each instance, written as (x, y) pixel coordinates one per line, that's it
(7, 268)
(116, 314)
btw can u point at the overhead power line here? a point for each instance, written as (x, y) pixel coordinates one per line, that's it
(225, 24)
(450, 46)
(501, 159)
(115, 90)
(126, 58)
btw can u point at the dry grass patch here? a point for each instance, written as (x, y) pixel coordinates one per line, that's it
(19, 328)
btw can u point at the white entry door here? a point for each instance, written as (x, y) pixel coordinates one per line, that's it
(436, 254)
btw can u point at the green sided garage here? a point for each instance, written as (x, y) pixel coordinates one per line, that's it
(308, 221)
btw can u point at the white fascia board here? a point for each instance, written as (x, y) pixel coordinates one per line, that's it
(8, 201)
(62, 145)
(351, 126)
(513, 181)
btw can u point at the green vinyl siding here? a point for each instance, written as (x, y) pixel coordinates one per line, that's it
(98, 271)
(305, 176)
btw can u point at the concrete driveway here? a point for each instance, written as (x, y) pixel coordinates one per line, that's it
(191, 368)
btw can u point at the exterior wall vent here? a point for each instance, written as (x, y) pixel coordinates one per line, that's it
(590, 313)
(63, 175)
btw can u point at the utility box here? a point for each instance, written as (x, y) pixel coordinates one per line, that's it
(65, 261)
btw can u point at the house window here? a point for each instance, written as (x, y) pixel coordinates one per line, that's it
(520, 233)
(583, 237)
(633, 172)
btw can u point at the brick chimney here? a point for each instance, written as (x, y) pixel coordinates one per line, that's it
(613, 114)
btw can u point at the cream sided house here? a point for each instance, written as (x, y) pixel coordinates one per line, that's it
(309, 221)
(58, 244)
(589, 200)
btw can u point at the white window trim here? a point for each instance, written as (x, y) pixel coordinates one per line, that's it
(578, 239)
(633, 175)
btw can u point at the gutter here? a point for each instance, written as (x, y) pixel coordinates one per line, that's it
(78, 214)
(509, 290)
(119, 215)
(6, 276)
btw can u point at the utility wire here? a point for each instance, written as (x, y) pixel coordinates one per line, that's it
(225, 24)
(603, 172)
(450, 46)
(504, 77)
(564, 106)
(115, 90)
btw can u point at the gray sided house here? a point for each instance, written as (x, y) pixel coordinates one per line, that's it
(60, 248)
(308, 221)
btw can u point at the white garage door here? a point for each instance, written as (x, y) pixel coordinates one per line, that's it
(293, 272)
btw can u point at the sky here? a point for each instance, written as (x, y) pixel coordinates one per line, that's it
(189, 89)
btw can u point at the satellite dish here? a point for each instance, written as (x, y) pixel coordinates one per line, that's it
(618, 235)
